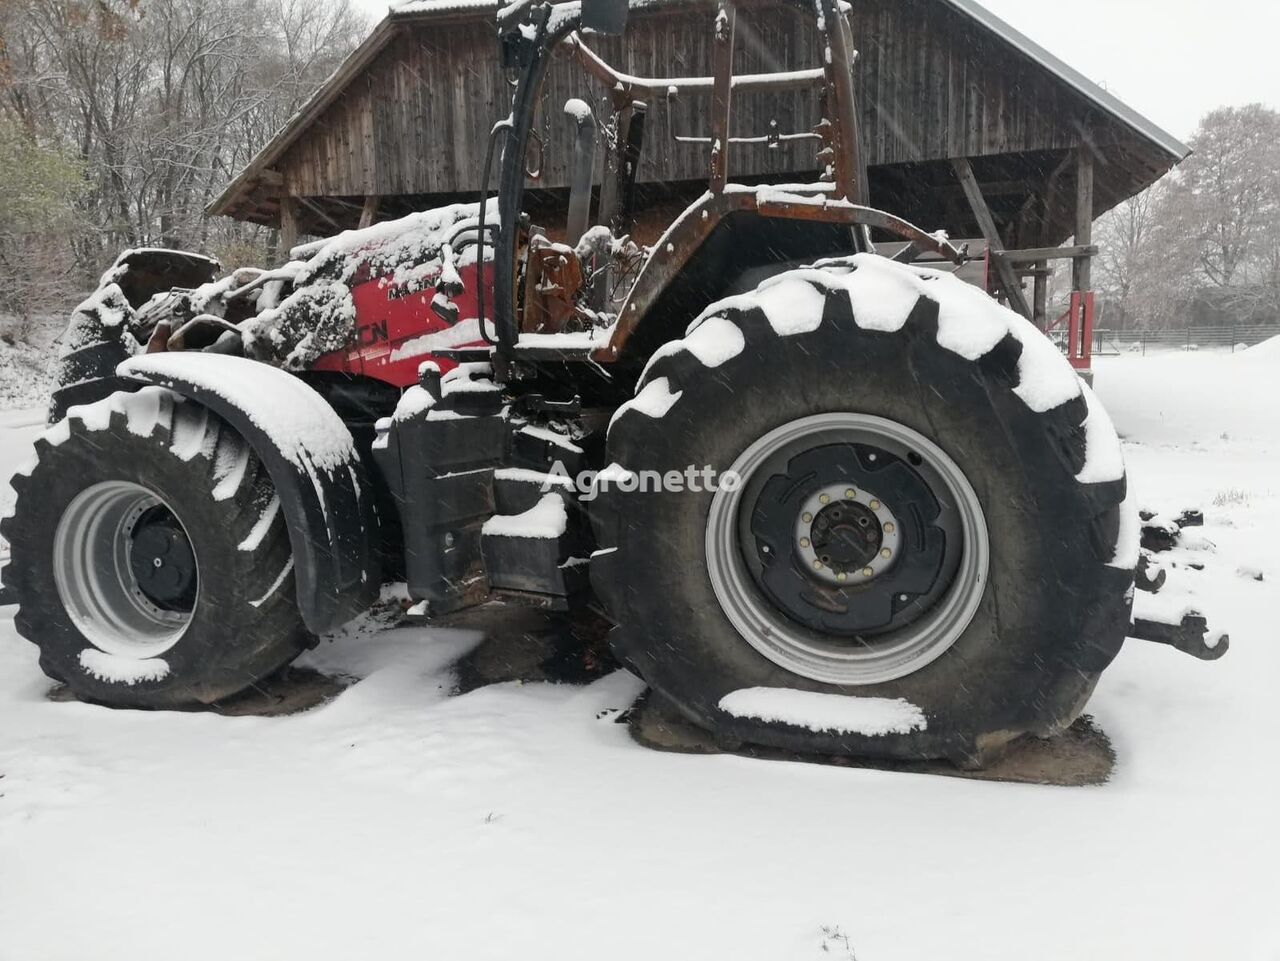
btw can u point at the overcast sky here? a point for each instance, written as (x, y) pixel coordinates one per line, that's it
(1172, 60)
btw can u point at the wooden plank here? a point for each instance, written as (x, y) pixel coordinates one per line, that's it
(986, 223)
(1031, 254)
(1040, 297)
(288, 224)
(369, 212)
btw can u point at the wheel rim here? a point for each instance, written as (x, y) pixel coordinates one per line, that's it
(125, 570)
(853, 550)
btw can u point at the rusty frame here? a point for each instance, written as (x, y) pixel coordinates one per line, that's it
(839, 201)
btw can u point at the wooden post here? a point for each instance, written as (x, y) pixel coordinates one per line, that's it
(369, 212)
(1040, 299)
(288, 224)
(1082, 271)
(987, 224)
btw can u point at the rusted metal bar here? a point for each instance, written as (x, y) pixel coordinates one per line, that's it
(849, 171)
(633, 86)
(722, 98)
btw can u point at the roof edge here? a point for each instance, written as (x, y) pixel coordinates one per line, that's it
(1074, 78)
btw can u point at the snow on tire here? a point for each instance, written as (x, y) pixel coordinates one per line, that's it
(149, 555)
(928, 526)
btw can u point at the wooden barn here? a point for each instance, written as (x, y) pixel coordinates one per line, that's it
(968, 125)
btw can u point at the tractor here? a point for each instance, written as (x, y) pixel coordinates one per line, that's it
(832, 500)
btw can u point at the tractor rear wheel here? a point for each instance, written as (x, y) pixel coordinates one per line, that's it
(149, 555)
(912, 549)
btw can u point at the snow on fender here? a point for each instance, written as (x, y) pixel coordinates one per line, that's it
(312, 461)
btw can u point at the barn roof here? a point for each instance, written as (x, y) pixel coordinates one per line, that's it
(246, 193)
(1064, 72)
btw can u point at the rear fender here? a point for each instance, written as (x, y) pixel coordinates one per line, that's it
(312, 461)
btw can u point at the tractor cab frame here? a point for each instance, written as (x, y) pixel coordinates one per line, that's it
(601, 298)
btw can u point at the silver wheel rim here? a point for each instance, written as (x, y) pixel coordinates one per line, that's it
(802, 650)
(92, 551)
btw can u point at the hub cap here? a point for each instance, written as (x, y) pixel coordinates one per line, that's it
(854, 550)
(125, 570)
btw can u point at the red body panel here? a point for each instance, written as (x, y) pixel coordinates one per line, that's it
(396, 332)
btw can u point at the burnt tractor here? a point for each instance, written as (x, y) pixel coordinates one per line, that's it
(832, 500)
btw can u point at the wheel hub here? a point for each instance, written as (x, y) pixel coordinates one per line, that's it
(846, 534)
(161, 560)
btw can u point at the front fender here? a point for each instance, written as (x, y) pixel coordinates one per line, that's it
(312, 461)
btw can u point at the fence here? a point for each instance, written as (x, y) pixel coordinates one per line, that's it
(1188, 338)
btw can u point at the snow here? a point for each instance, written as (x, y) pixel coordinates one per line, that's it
(1104, 458)
(654, 400)
(714, 341)
(579, 110)
(124, 670)
(547, 519)
(26, 371)
(260, 527)
(303, 427)
(816, 711)
(1128, 537)
(275, 585)
(523, 475)
(461, 334)
(543, 433)
(519, 820)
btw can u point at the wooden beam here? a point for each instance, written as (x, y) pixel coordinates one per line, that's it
(1082, 275)
(1008, 276)
(369, 212)
(1032, 254)
(288, 224)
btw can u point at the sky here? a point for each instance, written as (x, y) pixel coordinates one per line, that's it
(1172, 60)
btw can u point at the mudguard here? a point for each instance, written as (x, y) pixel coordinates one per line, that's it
(312, 461)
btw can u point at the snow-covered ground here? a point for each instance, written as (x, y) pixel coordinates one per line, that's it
(519, 821)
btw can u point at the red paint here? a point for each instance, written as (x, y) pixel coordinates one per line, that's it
(1079, 318)
(387, 319)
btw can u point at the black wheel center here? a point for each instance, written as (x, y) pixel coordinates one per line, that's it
(846, 535)
(848, 539)
(162, 561)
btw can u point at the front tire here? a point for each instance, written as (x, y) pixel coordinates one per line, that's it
(149, 556)
(981, 604)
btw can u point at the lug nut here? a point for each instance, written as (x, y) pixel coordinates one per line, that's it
(888, 527)
(874, 505)
(806, 517)
(824, 499)
(886, 553)
(867, 572)
(850, 494)
(804, 542)
(817, 565)
(842, 577)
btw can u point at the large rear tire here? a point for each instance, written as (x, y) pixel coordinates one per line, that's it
(149, 555)
(924, 539)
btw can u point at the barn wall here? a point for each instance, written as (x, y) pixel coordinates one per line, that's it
(933, 86)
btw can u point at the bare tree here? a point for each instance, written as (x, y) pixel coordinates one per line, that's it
(163, 101)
